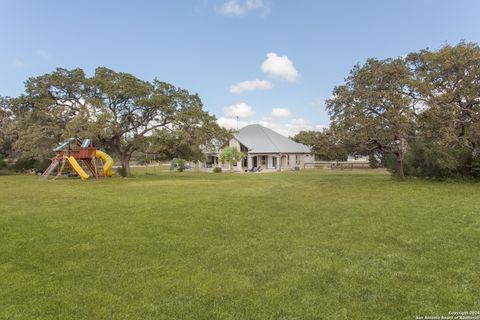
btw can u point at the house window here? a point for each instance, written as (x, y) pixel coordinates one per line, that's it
(297, 159)
(264, 160)
(243, 149)
(288, 160)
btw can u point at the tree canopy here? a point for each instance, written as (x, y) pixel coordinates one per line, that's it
(324, 144)
(5, 127)
(422, 110)
(426, 104)
(123, 113)
(374, 109)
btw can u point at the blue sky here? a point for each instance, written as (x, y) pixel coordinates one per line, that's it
(269, 61)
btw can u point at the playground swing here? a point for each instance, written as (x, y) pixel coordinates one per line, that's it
(74, 153)
(147, 161)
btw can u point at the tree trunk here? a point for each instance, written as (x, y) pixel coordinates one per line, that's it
(400, 155)
(125, 162)
(400, 172)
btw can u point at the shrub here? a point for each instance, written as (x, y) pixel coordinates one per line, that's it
(181, 165)
(30, 164)
(475, 171)
(2, 163)
(122, 172)
(433, 160)
(25, 164)
(217, 170)
(390, 162)
(42, 165)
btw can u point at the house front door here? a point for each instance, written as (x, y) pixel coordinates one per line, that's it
(254, 161)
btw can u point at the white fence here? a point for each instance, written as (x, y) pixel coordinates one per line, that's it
(337, 165)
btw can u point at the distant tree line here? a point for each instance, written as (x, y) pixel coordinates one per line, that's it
(418, 114)
(123, 114)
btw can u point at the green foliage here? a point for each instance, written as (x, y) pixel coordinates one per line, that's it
(217, 170)
(42, 165)
(3, 165)
(24, 164)
(308, 138)
(389, 161)
(475, 168)
(447, 82)
(119, 111)
(231, 155)
(122, 172)
(190, 142)
(372, 111)
(324, 145)
(424, 107)
(429, 159)
(447, 141)
(181, 165)
(8, 134)
(52, 104)
(31, 164)
(143, 158)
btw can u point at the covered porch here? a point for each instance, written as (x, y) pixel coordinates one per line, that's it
(264, 162)
(212, 161)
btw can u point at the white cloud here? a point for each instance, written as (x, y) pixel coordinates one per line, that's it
(280, 67)
(18, 63)
(281, 113)
(231, 8)
(250, 85)
(240, 8)
(241, 110)
(42, 54)
(230, 123)
(258, 5)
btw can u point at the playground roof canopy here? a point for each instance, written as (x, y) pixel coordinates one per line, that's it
(65, 145)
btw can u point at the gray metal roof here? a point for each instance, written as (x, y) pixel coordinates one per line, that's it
(259, 139)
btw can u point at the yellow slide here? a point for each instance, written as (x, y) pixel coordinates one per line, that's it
(107, 162)
(78, 169)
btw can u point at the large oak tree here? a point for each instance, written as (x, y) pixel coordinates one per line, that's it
(447, 82)
(375, 110)
(119, 110)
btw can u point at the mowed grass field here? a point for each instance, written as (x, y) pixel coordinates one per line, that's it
(293, 245)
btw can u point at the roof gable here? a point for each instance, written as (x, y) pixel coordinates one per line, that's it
(259, 139)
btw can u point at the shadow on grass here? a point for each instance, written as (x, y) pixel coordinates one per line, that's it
(8, 173)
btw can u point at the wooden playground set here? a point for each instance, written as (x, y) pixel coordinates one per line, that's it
(78, 157)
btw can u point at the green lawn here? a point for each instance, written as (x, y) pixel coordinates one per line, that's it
(308, 245)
